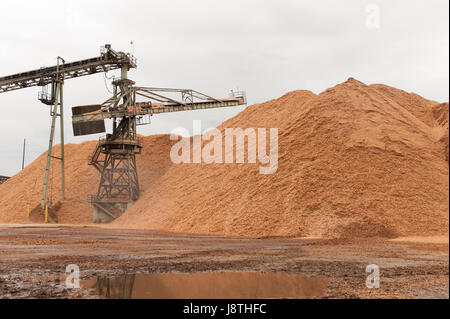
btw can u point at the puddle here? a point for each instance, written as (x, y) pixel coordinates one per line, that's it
(227, 285)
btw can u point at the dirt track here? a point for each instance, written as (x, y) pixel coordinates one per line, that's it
(33, 257)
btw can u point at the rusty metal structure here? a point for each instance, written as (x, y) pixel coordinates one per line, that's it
(3, 179)
(129, 106)
(115, 155)
(51, 79)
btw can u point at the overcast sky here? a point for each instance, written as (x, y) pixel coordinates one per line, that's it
(264, 47)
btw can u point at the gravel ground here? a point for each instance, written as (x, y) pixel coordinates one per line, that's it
(33, 260)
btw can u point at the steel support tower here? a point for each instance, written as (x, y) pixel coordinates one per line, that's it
(56, 98)
(115, 158)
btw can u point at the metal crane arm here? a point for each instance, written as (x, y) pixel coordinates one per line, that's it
(89, 119)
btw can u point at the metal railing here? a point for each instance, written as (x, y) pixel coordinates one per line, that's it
(240, 95)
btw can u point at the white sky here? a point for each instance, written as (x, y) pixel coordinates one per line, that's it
(265, 47)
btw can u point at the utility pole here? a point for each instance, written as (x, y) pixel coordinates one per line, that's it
(23, 154)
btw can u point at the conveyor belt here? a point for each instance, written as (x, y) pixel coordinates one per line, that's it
(104, 63)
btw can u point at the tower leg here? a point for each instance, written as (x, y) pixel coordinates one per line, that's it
(61, 115)
(50, 144)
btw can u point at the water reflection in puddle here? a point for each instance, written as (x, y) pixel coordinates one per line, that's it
(227, 285)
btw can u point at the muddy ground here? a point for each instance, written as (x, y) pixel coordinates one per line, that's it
(33, 260)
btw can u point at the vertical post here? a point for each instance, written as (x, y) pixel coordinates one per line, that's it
(46, 212)
(58, 95)
(50, 144)
(23, 154)
(124, 72)
(134, 129)
(61, 116)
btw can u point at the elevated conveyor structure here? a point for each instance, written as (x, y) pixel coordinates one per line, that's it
(130, 106)
(107, 61)
(51, 79)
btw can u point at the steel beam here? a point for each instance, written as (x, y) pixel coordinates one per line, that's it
(61, 126)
